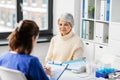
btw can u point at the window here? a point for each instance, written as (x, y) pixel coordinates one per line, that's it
(9, 1)
(1, 17)
(7, 17)
(33, 1)
(2, 1)
(25, 2)
(43, 22)
(44, 1)
(39, 14)
(8, 22)
(11, 14)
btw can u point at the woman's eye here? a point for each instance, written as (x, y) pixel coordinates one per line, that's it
(66, 24)
(60, 24)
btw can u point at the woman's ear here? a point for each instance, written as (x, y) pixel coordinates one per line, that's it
(34, 40)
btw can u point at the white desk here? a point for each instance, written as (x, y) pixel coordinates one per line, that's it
(69, 75)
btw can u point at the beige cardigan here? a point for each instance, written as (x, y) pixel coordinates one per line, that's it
(65, 48)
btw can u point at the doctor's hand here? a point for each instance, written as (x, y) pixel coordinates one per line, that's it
(47, 70)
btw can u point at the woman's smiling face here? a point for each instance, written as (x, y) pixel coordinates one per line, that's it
(64, 27)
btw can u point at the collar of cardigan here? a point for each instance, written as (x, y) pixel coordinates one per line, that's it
(67, 36)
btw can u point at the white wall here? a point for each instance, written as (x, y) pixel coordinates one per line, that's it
(71, 6)
(40, 50)
(59, 7)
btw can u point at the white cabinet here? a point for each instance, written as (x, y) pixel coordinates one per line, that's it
(95, 20)
(89, 50)
(95, 27)
(100, 28)
(100, 50)
(93, 51)
(101, 32)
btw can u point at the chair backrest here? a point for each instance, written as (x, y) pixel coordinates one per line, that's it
(10, 74)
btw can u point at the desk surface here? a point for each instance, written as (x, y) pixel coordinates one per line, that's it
(69, 75)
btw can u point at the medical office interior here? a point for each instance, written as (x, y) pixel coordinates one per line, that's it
(97, 23)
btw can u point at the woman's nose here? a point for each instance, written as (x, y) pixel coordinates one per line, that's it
(62, 26)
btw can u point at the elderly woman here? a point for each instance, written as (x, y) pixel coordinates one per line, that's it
(67, 45)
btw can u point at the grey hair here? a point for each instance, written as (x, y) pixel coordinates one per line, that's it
(68, 18)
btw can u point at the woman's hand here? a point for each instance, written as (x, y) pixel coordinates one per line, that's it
(47, 70)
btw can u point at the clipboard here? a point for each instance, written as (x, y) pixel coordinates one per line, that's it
(57, 70)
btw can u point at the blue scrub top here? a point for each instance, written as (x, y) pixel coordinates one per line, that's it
(29, 65)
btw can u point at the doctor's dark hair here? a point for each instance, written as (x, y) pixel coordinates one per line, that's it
(21, 38)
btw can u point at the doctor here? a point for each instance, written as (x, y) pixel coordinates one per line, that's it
(21, 43)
